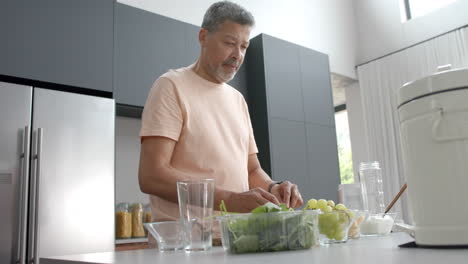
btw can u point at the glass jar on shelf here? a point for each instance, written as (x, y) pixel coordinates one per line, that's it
(147, 215)
(123, 221)
(137, 220)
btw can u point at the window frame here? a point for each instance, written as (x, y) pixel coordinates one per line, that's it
(406, 3)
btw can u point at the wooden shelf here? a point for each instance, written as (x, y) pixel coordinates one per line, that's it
(131, 240)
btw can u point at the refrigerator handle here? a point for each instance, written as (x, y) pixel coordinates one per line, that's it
(23, 198)
(34, 212)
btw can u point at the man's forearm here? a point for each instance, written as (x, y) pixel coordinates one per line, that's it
(259, 178)
(163, 183)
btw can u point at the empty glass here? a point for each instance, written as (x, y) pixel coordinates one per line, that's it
(168, 234)
(196, 213)
(350, 194)
(370, 176)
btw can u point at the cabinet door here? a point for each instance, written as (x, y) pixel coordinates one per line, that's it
(192, 46)
(289, 151)
(316, 87)
(322, 162)
(282, 77)
(60, 41)
(257, 100)
(147, 45)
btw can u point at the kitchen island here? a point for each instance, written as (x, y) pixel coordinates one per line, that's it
(364, 250)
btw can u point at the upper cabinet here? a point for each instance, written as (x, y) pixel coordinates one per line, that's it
(146, 46)
(316, 87)
(59, 41)
(282, 68)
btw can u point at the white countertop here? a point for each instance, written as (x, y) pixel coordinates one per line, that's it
(364, 250)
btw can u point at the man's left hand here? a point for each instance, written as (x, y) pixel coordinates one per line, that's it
(288, 193)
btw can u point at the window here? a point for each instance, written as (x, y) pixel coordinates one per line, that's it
(344, 147)
(417, 8)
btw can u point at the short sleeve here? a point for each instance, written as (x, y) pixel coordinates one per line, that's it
(162, 114)
(252, 144)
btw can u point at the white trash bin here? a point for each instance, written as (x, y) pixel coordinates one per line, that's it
(433, 115)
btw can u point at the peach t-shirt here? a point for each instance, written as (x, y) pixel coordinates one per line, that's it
(211, 126)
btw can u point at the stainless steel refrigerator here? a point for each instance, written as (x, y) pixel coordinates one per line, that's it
(56, 173)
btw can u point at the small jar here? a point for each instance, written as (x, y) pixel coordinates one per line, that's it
(123, 221)
(146, 215)
(137, 220)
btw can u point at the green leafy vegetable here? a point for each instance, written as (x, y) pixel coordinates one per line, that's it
(270, 228)
(266, 208)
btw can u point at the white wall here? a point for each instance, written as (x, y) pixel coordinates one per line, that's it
(380, 30)
(326, 26)
(357, 131)
(127, 155)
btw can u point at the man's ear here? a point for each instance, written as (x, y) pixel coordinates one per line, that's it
(202, 35)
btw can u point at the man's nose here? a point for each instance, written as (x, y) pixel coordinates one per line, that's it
(237, 53)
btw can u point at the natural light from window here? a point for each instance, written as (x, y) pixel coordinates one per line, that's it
(418, 8)
(344, 147)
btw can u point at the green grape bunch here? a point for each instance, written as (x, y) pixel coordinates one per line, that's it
(333, 220)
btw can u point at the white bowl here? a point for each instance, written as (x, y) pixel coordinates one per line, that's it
(378, 224)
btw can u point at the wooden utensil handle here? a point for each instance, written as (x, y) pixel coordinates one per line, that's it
(403, 188)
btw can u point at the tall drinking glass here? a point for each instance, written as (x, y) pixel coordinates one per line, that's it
(196, 213)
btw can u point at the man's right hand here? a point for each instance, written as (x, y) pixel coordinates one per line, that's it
(247, 201)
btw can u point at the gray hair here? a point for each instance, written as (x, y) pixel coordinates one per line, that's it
(219, 12)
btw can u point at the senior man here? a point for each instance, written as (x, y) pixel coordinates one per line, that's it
(195, 125)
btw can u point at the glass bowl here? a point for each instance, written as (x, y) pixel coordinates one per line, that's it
(334, 226)
(168, 235)
(378, 224)
(355, 227)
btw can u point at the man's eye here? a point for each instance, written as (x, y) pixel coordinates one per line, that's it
(230, 43)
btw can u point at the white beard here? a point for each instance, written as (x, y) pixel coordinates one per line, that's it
(223, 76)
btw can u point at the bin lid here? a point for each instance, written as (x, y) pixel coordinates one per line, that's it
(445, 79)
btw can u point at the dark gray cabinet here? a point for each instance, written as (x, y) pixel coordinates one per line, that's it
(192, 47)
(316, 87)
(59, 41)
(292, 114)
(146, 46)
(281, 61)
(322, 159)
(289, 153)
(303, 153)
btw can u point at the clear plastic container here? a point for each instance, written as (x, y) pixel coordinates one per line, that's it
(263, 232)
(123, 221)
(370, 176)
